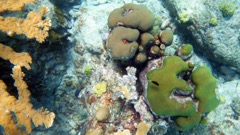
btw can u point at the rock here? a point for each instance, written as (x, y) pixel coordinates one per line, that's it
(219, 43)
(236, 106)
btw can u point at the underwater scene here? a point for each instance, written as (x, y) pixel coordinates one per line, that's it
(119, 67)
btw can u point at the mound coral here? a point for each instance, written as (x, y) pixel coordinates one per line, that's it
(132, 15)
(183, 17)
(123, 46)
(102, 113)
(130, 39)
(166, 37)
(227, 9)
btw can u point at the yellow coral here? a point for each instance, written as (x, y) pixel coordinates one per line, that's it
(143, 128)
(100, 88)
(125, 91)
(33, 26)
(13, 5)
(124, 132)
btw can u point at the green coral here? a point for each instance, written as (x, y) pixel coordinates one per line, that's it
(166, 37)
(155, 30)
(183, 17)
(227, 9)
(146, 39)
(167, 80)
(205, 85)
(186, 49)
(162, 82)
(213, 21)
(88, 70)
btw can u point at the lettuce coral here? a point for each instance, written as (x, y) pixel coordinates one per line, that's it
(169, 95)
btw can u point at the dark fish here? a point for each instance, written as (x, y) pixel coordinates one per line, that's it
(154, 82)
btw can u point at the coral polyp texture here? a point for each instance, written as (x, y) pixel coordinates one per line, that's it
(132, 15)
(123, 46)
(169, 95)
(166, 37)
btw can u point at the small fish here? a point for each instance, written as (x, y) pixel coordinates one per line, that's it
(154, 82)
(77, 93)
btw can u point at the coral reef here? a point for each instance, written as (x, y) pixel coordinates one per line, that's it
(102, 113)
(111, 113)
(100, 88)
(88, 70)
(97, 66)
(20, 59)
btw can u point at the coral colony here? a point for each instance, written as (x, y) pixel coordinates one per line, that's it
(172, 86)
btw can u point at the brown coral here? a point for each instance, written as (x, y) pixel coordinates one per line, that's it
(132, 15)
(122, 43)
(166, 37)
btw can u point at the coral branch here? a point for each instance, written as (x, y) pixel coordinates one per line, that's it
(33, 26)
(23, 109)
(13, 5)
(21, 59)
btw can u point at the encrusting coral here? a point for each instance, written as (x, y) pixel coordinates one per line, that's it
(33, 26)
(100, 88)
(169, 95)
